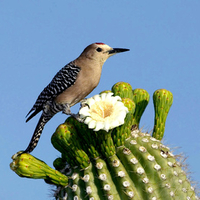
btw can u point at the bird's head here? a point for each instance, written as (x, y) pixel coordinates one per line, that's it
(100, 51)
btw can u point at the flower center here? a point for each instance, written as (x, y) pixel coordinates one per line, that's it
(100, 110)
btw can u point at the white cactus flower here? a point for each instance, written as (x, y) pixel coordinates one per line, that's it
(103, 112)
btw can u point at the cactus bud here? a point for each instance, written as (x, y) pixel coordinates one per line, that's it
(163, 100)
(122, 89)
(141, 99)
(26, 165)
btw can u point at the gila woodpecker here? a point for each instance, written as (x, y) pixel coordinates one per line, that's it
(69, 86)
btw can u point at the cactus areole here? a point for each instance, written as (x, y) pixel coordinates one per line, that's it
(108, 157)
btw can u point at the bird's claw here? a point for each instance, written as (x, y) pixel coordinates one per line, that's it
(77, 117)
(67, 111)
(83, 103)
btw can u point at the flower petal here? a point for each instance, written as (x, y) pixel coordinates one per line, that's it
(97, 98)
(107, 126)
(105, 112)
(109, 95)
(85, 111)
(92, 124)
(99, 125)
(103, 96)
(90, 101)
(87, 120)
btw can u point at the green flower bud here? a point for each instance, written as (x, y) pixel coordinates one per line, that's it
(163, 100)
(26, 165)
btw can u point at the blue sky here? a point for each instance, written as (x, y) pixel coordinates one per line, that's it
(40, 37)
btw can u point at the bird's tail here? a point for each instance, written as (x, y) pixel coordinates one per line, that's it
(37, 133)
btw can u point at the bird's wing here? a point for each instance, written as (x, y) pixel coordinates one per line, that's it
(65, 78)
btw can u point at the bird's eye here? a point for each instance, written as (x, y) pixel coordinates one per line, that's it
(99, 49)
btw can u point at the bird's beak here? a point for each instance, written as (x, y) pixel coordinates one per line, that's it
(117, 50)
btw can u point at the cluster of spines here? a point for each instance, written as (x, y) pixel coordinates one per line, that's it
(124, 163)
(167, 176)
(139, 178)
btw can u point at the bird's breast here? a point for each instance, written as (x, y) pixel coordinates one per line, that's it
(83, 86)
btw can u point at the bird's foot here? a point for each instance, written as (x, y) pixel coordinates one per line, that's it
(19, 153)
(83, 103)
(67, 111)
(77, 117)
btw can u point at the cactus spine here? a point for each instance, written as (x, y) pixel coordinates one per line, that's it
(120, 164)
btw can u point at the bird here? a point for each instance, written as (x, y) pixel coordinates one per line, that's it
(70, 86)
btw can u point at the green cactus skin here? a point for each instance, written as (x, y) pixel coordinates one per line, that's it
(105, 91)
(123, 182)
(141, 99)
(64, 192)
(136, 173)
(73, 189)
(122, 132)
(163, 100)
(105, 179)
(65, 140)
(139, 96)
(122, 89)
(77, 184)
(60, 140)
(141, 169)
(173, 182)
(89, 141)
(59, 164)
(122, 164)
(90, 185)
(106, 143)
(26, 165)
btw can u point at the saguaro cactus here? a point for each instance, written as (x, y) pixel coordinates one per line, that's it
(108, 156)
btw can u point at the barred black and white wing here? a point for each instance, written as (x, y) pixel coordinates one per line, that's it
(65, 78)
